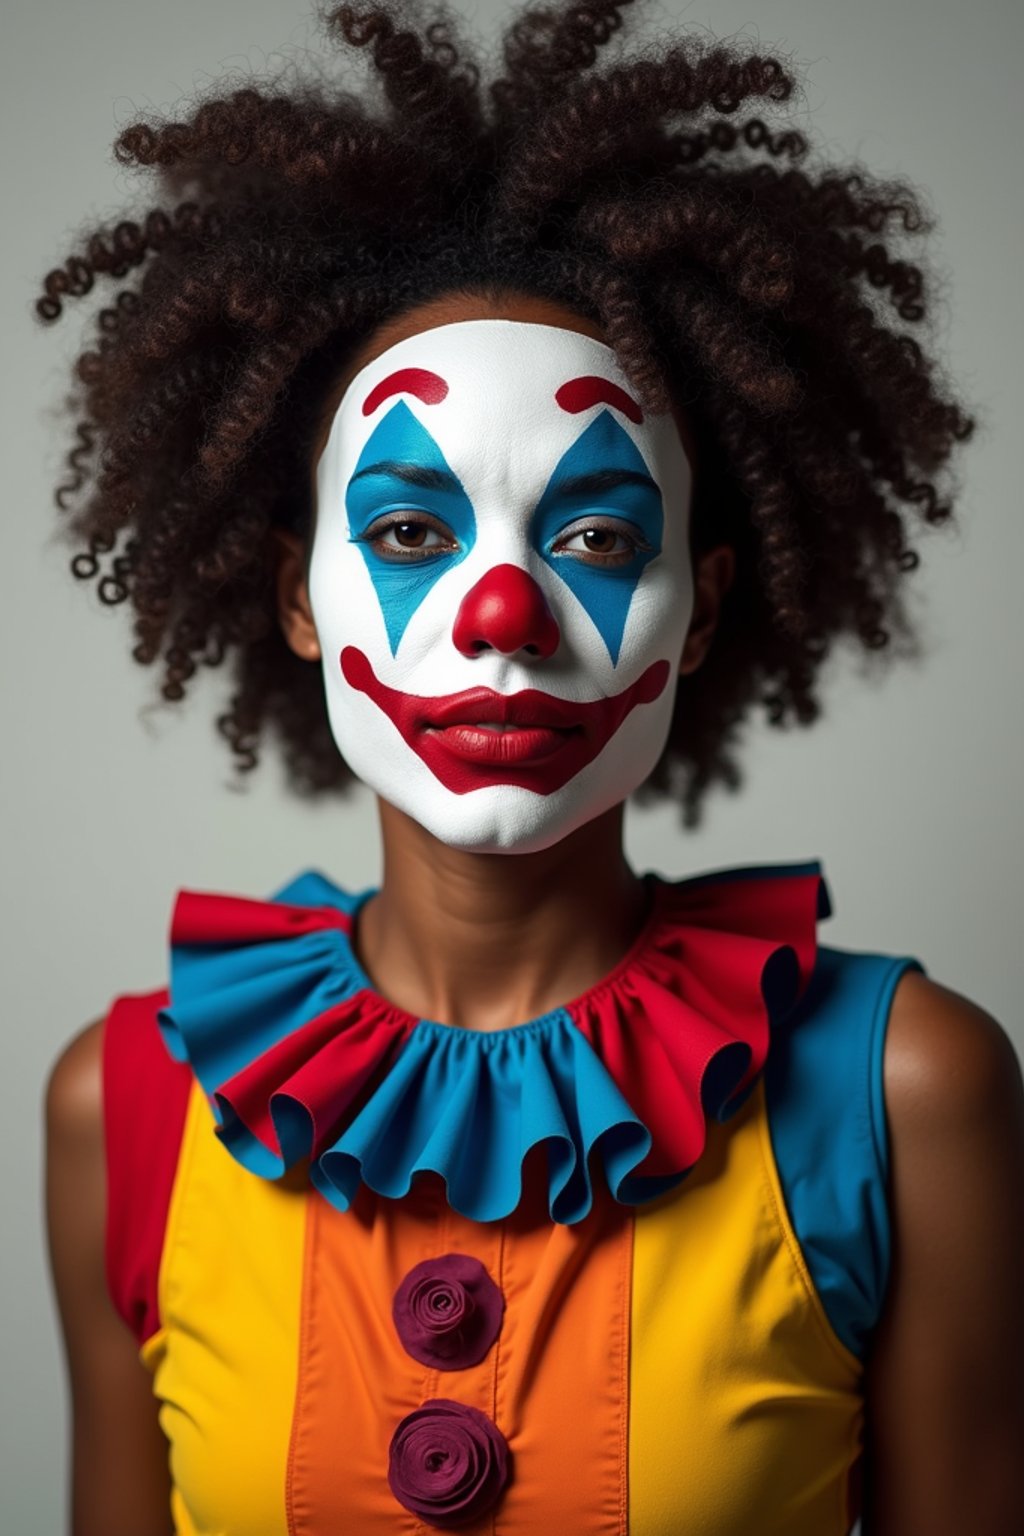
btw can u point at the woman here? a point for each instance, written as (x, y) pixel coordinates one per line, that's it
(515, 445)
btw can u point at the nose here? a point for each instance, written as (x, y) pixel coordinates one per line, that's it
(506, 611)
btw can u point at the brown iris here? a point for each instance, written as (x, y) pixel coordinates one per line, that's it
(600, 541)
(410, 535)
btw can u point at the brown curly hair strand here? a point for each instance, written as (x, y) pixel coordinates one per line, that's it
(764, 300)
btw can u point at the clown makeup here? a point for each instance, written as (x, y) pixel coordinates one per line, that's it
(500, 581)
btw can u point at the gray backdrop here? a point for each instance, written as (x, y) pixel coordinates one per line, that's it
(908, 792)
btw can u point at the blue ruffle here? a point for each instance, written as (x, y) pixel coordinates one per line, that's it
(471, 1106)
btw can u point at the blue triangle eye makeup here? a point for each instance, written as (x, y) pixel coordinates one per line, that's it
(602, 474)
(402, 469)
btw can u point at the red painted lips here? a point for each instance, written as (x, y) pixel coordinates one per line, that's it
(555, 739)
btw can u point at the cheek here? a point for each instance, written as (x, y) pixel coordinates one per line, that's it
(659, 614)
(344, 604)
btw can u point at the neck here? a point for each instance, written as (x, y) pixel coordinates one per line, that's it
(485, 941)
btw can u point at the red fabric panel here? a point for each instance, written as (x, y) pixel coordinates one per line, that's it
(145, 1096)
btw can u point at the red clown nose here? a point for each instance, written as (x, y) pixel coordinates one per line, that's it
(506, 611)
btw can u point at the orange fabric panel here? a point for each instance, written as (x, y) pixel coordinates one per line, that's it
(555, 1382)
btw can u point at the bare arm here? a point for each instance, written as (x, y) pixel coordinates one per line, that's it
(945, 1379)
(120, 1478)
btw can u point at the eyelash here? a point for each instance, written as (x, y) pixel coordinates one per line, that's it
(395, 552)
(375, 533)
(635, 541)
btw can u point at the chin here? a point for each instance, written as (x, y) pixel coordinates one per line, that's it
(501, 818)
(507, 821)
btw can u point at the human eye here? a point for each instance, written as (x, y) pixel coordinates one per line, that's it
(409, 536)
(601, 541)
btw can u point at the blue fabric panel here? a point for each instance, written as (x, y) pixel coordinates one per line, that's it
(826, 1116)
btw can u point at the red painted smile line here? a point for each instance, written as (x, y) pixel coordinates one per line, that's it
(554, 740)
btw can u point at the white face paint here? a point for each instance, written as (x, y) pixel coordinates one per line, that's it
(500, 581)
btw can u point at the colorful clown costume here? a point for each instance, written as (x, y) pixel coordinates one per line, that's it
(612, 1270)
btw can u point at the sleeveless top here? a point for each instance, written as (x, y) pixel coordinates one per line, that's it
(612, 1270)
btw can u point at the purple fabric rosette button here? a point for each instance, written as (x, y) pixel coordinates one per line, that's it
(448, 1311)
(448, 1463)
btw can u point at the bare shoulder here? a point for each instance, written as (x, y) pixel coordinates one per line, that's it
(948, 1062)
(75, 1154)
(945, 1374)
(74, 1092)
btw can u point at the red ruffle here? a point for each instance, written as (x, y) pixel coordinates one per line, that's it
(721, 961)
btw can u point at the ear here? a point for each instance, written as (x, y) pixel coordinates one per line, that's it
(716, 569)
(293, 611)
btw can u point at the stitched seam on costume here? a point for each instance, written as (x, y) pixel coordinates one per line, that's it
(182, 1174)
(151, 1347)
(311, 1214)
(496, 1365)
(845, 1501)
(828, 1333)
(432, 1377)
(880, 1138)
(881, 1147)
(625, 1347)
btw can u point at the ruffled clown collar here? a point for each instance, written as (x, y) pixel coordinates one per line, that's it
(300, 1057)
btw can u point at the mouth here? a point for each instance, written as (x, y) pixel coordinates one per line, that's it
(476, 738)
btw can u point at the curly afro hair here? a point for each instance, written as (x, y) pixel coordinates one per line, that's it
(768, 301)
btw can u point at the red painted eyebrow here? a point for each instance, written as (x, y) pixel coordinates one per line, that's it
(581, 394)
(426, 386)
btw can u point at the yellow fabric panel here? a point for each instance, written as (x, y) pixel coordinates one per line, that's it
(746, 1409)
(225, 1359)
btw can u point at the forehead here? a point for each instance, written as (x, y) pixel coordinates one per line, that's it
(494, 394)
(467, 366)
(526, 356)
